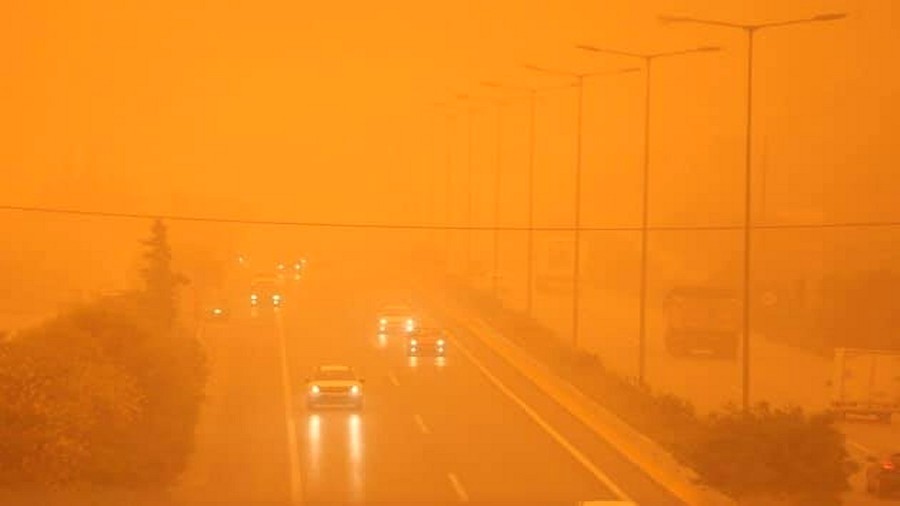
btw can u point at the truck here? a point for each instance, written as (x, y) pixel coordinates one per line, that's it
(866, 382)
(702, 319)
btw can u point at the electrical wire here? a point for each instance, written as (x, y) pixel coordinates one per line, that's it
(437, 227)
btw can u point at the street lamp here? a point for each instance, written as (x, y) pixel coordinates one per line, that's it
(497, 180)
(576, 261)
(471, 109)
(532, 115)
(750, 30)
(648, 58)
(447, 176)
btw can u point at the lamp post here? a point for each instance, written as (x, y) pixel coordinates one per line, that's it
(470, 164)
(576, 260)
(648, 59)
(750, 30)
(448, 170)
(532, 119)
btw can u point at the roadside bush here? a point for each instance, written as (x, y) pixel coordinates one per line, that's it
(784, 454)
(63, 402)
(780, 452)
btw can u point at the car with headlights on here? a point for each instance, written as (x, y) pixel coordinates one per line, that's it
(334, 386)
(396, 319)
(217, 313)
(422, 342)
(265, 292)
(883, 475)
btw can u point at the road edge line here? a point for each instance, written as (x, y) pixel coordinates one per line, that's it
(559, 438)
(293, 457)
(611, 428)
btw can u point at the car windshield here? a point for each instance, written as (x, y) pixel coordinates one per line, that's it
(334, 374)
(428, 334)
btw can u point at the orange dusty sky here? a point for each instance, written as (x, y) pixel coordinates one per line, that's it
(324, 110)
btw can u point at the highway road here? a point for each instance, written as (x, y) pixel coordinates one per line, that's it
(468, 429)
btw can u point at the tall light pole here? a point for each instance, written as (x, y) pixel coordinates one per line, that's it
(448, 169)
(470, 165)
(576, 260)
(750, 30)
(497, 179)
(648, 59)
(532, 137)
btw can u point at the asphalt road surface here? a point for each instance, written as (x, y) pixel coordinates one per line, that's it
(431, 431)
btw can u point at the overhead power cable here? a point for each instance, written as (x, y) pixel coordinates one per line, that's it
(425, 226)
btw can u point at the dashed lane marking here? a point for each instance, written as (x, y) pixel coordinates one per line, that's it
(458, 487)
(421, 423)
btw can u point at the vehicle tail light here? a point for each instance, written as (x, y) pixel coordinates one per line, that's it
(887, 465)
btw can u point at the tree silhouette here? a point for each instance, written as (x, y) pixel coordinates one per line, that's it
(160, 281)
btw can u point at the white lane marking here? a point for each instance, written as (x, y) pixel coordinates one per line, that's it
(458, 487)
(862, 448)
(293, 457)
(559, 438)
(421, 423)
(393, 378)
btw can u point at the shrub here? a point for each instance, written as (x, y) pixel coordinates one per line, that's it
(780, 452)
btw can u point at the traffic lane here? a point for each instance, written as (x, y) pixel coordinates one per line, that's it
(629, 477)
(374, 455)
(241, 453)
(496, 452)
(482, 449)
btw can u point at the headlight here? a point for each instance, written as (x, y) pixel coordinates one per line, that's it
(217, 311)
(354, 390)
(440, 342)
(314, 389)
(254, 296)
(383, 321)
(413, 342)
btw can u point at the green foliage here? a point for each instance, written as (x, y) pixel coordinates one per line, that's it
(784, 453)
(781, 452)
(62, 400)
(160, 281)
(105, 394)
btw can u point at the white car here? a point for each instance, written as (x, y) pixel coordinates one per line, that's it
(335, 386)
(393, 319)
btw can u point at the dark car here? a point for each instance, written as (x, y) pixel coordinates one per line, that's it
(883, 475)
(426, 342)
